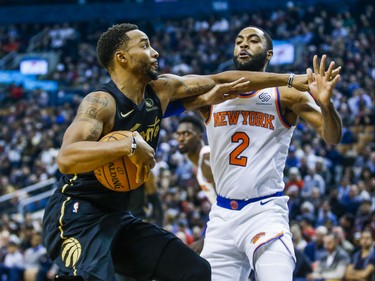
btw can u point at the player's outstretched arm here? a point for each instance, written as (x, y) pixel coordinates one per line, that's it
(321, 85)
(172, 87)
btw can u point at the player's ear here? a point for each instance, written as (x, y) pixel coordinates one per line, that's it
(269, 54)
(120, 57)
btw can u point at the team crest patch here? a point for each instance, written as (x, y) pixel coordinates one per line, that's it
(234, 205)
(257, 236)
(71, 252)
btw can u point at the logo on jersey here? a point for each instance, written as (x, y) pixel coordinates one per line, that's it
(123, 115)
(257, 236)
(71, 251)
(150, 105)
(234, 205)
(151, 132)
(265, 202)
(264, 98)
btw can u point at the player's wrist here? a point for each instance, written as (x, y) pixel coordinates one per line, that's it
(290, 80)
(133, 146)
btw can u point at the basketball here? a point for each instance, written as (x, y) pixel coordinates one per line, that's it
(119, 175)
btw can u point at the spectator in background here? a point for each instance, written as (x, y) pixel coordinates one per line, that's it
(294, 202)
(298, 241)
(294, 178)
(325, 214)
(333, 264)
(342, 242)
(13, 265)
(315, 250)
(292, 159)
(364, 215)
(347, 224)
(362, 265)
(311, 180)
(303, 266)
(32, 257)
(350, 200)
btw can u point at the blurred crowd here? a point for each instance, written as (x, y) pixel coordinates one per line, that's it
(331, 188)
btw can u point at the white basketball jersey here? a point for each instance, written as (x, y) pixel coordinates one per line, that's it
(207, 186)
(249, 142)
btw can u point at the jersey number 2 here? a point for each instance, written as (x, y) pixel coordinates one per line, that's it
(234, 156)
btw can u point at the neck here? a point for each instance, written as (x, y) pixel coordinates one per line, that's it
(131, 86)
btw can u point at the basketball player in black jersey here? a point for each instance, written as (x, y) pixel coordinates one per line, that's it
(88, 230)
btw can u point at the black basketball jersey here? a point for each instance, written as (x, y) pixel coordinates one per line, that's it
(144, 118)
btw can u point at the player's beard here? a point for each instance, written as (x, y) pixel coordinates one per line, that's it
(146, 69)
(152, 74)
(256, 63)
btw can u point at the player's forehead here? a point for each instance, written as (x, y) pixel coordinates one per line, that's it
(249, 32)
(185, 126)
(136, 36)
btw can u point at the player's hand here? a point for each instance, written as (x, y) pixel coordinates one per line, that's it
(225, 91)
(197, 246)
(228, 91)
(321, 82)
(143, 158)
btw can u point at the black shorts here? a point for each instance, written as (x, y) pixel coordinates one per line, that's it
(85, 241)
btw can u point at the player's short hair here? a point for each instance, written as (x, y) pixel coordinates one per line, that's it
(269, 44)
(195, 121)
(110, 41)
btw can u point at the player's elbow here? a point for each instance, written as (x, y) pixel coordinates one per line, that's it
(65, 166)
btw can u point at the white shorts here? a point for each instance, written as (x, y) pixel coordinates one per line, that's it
(234, 236)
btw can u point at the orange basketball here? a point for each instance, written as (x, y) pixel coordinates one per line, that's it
(119, 175)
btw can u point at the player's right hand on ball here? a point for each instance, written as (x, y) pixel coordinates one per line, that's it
(143, 158)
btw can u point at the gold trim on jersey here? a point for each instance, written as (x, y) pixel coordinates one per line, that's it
(62, 212)
(71, 183)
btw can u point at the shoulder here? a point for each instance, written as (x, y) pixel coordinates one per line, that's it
(97, 102)
(165, 81)
(99, 97)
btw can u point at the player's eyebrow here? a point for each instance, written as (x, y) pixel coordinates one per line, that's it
(249, 36)
(144, 39)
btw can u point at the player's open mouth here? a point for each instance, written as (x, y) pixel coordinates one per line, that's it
(244, 55)
(155, 66)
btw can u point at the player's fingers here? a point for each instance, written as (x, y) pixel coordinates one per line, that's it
(242, 85)
(335, 80)
(336, 71)
(146, 173)
(238, 81)
(315, 64)
(329, 71)
(310, 77)
(231, 95)
(322, 65)
(140, 173)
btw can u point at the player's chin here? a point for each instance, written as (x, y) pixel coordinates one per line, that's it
(153, 74)
(182, 149)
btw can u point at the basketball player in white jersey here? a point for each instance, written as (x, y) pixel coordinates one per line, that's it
(249, 138)
(189, 133)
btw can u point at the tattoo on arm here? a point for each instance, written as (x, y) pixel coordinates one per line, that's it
(91, 106)
(88, 113)
(196, 90)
